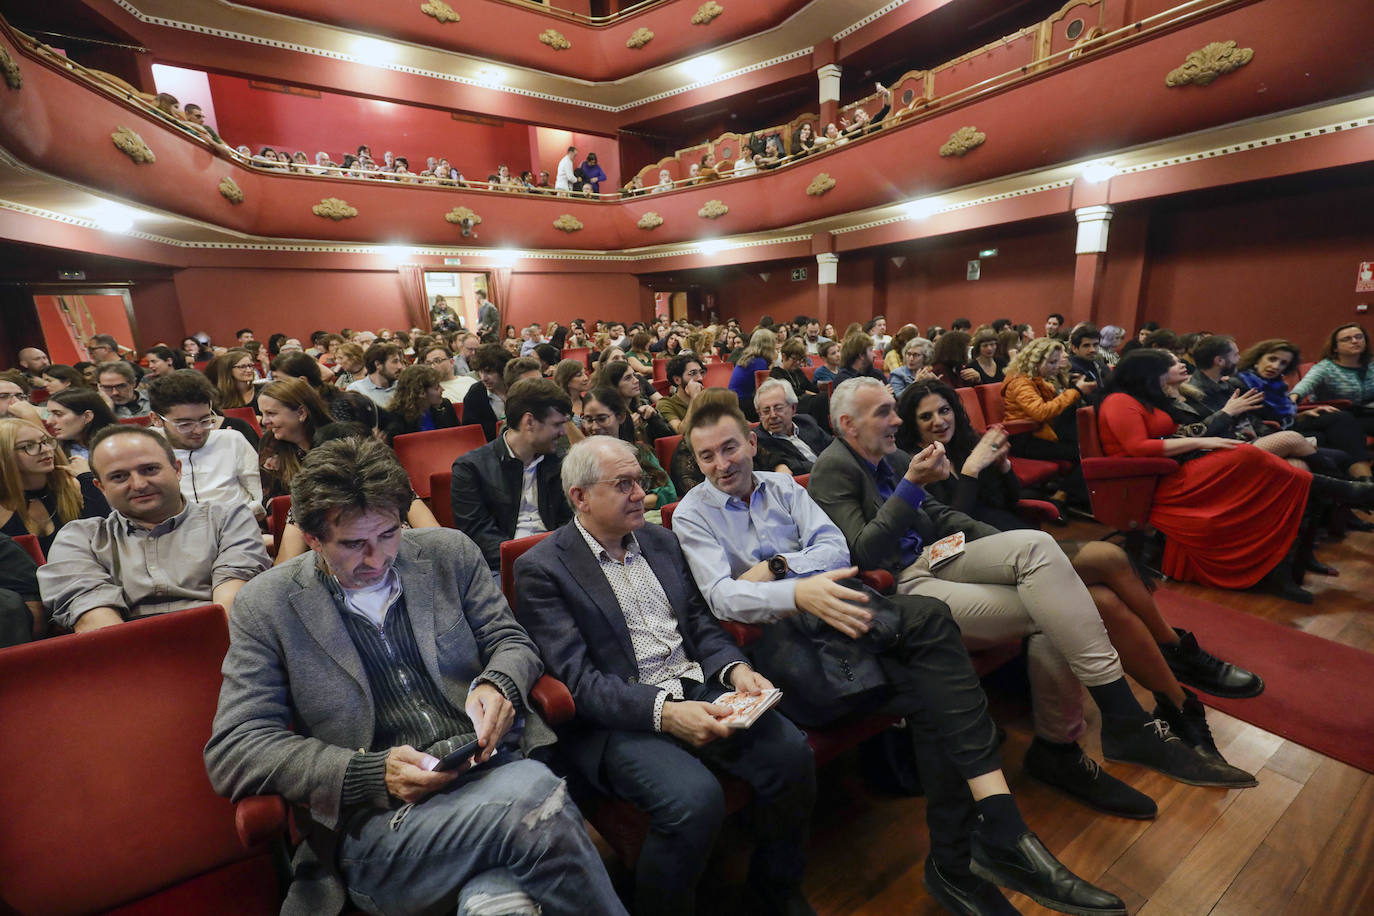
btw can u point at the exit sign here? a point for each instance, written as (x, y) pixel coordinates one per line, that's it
(799, 273)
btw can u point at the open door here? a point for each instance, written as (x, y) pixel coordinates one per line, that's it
(70, 317)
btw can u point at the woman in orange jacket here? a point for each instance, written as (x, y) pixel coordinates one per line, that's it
(1038, 388)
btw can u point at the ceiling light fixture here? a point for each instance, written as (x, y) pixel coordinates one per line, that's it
(1095, 172)
(373, 51)
(712, 246)
(703, 67)
(113, 217)
(921, 209)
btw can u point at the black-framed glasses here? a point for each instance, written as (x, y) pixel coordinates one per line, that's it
(35, 448)
(115, 389)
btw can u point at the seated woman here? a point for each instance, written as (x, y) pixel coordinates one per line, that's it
(761, 353)
(233, 373)
(916, 356)
(60, 378)
(1231, 512)
(571, 376)
(639, 357)
(1262, 367)
(892, 356)
(791, 358)
(607, 414)
(1344, 373)
(803, 141)
(950, 361)
(982, 485)
(830, 362)
(75, 415)
(418, 403)
(1037, 388)
(991, 367)
(291, 413)
(40, 489)
(647, 421)
(299, 365)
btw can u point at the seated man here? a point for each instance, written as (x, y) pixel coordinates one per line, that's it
(1084, 358)
(509, 487)
(119, 383)
(383, 363)
(217, 465)
(14, 397)
(788, 438)
(1004, 586)
(157, 551)
(763, 553)
(685, 375)
(353, 667)
(610, 604)
(21, 610)
(33, 362)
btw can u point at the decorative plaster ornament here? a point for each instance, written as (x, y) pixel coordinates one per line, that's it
(132, 145)
(15, 79)
(962, 141)
(231, 191)
(706, 12)
(334, 208)
(713, 209)
(650, 220)
(459, 214)
(820, 184)
(440, 10)
(554, 39)
(1207, 63)
(568, 223)
(639, 39)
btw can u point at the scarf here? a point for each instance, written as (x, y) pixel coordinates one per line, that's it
(1275, 392)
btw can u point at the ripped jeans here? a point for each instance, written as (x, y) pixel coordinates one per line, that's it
(502, 828)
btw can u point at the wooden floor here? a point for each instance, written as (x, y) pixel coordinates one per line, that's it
(1302, 842)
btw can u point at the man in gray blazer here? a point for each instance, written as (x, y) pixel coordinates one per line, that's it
(352, 669)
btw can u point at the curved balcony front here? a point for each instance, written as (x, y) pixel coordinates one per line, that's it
(1107, 100)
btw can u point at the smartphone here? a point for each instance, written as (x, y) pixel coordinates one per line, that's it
(456, 759)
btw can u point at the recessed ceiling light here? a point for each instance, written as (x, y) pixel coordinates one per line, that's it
(922, 209)
(703, 67)
(113, 217)
(712, 246)
(1095, 172)
(373, 50)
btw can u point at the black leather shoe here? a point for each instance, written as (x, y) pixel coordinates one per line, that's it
(1029, 868)
(1083, 779)
(1202, 670)
(1154, 745)
(981, 899)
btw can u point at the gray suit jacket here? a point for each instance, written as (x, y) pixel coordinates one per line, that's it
(842, 485)
(296, 706)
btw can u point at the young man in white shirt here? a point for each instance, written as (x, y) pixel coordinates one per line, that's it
(217, 465)
(564, 182)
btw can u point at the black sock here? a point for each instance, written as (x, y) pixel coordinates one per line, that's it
(1120, 709)
(1002, 823)
(1057, 748)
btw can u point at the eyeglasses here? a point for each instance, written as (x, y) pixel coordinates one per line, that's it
(10, 395)
(598, 418)
(188, 426)
(113, 389)
(243, 366)
(1351, 338)
(436, 362)
(36, 447)
(625, 485)
(773, 411)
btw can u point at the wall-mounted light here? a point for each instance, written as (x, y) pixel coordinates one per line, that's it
(712, 246)
(396, 254)
(921, 209)
(373, 50)
(491, 76)
(702, 68)
(113, 217)
(504, 257)
(1095, 172)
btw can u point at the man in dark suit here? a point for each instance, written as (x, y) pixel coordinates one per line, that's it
(615, 614)
(509, 487)
(787, 437)
(1085, 357)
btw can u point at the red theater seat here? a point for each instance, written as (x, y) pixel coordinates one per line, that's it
(246, 414)
(718, 375)
(1121, 488)
(30, 544)
(277, 510)
(136, 421)
(441, 498)
(425, 454)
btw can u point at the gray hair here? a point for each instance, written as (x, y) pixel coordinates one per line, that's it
(581, 467)
(770, 384)
(105, 339)
(353, 476)
(1111, 336)
(843, 397)
(117, 365)
(920, 343)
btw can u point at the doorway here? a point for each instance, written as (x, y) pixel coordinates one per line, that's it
(458, 291)
(69, 318)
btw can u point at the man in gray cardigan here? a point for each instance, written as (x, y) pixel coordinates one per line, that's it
(351, 670)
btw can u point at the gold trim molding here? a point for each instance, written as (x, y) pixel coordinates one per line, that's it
(568, 223)
(14, 77)
(334, 208)
(639, 39)
(230, 190)
(706, 12)
(963, 141)
(713, 209)
(131, 144)
(1204, 65)
(554, 39)
(650, 220)
(458, 214)
(440, 10)
(820, 184)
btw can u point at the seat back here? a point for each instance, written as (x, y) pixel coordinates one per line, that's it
(665, 515)
(246, 414)
(968, 397)
(424, 454)
(664, 446)
(760, 376)
(994, 407)
(718, 375)
(661, 386)
(510, 552)
(30, 544)
(660, 367)
(582, 353)
(104, 790)
(277, 510)
(802, 480)
(810, 371)
(441, 499)
(1089, 445)
(145, 420)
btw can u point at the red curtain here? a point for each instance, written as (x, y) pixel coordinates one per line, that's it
(412, 279)
(500, 293)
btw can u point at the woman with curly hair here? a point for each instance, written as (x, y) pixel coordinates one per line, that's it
(1037, 388)
(950, 360)
(418, 403)
(291, 413)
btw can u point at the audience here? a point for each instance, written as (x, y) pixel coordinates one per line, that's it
(383, 363)
(233, 374)
(119, 383)
(21, 606)
(606, 414)
(418, 403)
(1344, 373)
(786, 438)
(485, 404)
(41, 490)
(217, 465)
(75, 416)
(291, 415)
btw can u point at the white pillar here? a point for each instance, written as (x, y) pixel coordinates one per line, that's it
(827, 267)
(1093, 223)
(829, 76)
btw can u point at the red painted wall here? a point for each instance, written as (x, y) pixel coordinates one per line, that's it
(548, 145)
(562, 297)
(58, 339)
(338, 124)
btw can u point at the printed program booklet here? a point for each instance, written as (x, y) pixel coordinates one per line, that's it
(747, 709)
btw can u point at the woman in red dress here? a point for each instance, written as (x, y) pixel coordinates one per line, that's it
(1231, 512)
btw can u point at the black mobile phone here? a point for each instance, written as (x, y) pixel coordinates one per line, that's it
(454, 759)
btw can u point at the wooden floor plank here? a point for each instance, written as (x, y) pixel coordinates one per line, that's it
(1264, 886)
(1342, 879)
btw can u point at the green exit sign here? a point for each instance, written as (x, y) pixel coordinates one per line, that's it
(988, 253)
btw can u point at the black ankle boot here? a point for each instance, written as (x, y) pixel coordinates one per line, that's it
(1189, 722)
(1198, 668)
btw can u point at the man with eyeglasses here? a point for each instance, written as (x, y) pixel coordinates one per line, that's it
(686, 375)
(217, 465)
(118, 382)
(467, 349)
(440, 360)
(788, 438)
(509, 488)
(612, 607)
(14, 397)
(102, 348)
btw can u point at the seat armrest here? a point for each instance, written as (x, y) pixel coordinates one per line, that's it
(743, 633)
(259, 819)
(1037, 511)
(554, 701)
(1016, 427)
(1124, 466)
(880, 580)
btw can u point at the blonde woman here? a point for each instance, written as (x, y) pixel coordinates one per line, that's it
(762, 353)
(40, 488)
(1038, 389)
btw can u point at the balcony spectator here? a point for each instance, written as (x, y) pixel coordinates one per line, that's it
(772, 154)
(593, 175)
(665, 181)
(708, 171)
(527, 181)
(803, 141)
(566, 166)
(40, 489)
(323, 165)
(833, 138)
(746, 164)
(862, 123)
(196, 116)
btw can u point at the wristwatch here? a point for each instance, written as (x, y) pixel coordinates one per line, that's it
(778, 566)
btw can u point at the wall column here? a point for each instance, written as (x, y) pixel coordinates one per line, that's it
(827, 272)
(829, 77)
(1091, 266)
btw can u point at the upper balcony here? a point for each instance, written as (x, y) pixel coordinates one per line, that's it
(1108, 92)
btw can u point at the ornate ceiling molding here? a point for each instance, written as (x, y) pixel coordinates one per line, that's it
(128, 142)
(458, 215)
(962, 141)
(1204, 65)
(639, 39)
(650, 220)
(706, 12)
(713, 209)
(554, 39)
(230, 189)
(440, 10)
(567, 223)
(334, 208)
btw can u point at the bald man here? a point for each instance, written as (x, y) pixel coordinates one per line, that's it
(34, 362)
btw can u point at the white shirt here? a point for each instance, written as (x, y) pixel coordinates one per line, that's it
(806, 452)
(456, 388)
(744, 165)
(223, 470)
(527, 520)
(565, 179)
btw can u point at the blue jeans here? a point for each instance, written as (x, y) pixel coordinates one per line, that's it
(514, 815)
